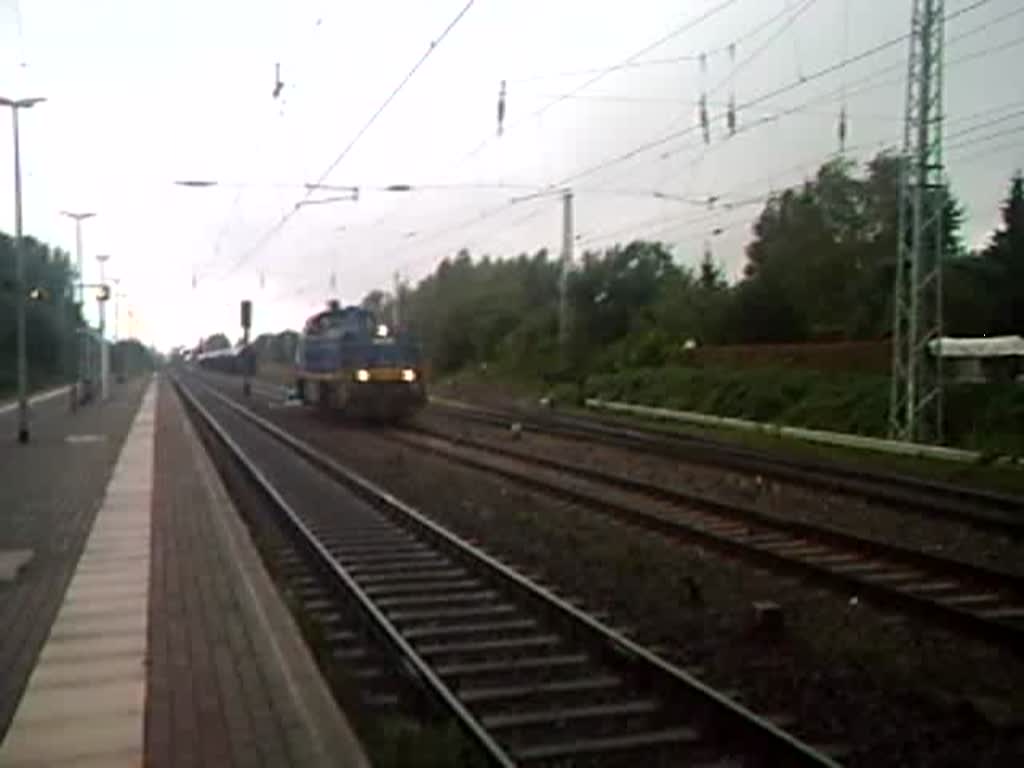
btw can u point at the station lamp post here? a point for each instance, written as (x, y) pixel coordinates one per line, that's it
(80, 298)
(19, 260)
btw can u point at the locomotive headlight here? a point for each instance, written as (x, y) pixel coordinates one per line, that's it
(409, 375)
(362, 375)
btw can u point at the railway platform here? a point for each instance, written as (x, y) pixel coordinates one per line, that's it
(139, 624)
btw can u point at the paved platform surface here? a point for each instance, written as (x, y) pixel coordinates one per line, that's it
(172, 647)
(50, 491)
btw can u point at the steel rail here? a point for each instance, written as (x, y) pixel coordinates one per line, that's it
(730, 719)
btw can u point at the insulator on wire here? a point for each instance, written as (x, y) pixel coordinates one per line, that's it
(501, 109)
(730, 115)
(278, 85)
(842, 129)
(194, 281)
(263, 281)
(705, 125)
(334, 281)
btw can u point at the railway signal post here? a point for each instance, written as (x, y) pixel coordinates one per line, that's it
(563, 280)
(103, 297)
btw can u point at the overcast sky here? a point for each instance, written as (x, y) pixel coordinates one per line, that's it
(145, 92)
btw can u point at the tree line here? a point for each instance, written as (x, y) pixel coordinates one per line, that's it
(820, 265)
(53, 318)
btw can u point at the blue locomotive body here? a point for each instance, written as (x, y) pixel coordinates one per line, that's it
(347, 362)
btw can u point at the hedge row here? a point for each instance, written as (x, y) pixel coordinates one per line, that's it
(987, 417)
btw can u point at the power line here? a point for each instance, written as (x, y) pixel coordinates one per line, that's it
(800, 10)
(986, 124)
(222, 231)
(1014, 145)
(986, 52)
(552, 187)
(793, 85)
(625, 63)
(398, 89)
(978, 54)
(982, 139)
(724, 205)
(603, 73)
(824, 98)
(750, 33)
(359, 134)
(478, 217)
(595, 70)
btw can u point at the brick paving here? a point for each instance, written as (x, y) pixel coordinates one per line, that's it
(50, 491)
(230, 683)
(86, 696)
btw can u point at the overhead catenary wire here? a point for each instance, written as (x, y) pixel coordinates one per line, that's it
(703, 122)
(279, 225)
(980, 139)
(725, 205)
(750, 33)
(600, 74)
(635, 58)
(236, 201)
(800, 108)
(846, 61)
(552, 187)
(664, 61)
(1015, 146)
(603, 73)
(639, 228)
(965, 58)
(841, 128)
(767, 95)
(796, 52)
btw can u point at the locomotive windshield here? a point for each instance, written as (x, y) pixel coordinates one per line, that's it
(351, 321)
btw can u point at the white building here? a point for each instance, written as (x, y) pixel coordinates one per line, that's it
(988, 358)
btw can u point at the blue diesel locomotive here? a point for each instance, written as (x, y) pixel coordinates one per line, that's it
(346, 361)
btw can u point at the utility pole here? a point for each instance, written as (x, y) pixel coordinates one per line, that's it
(82, 345)
(563, 283)
(104, 352)
(915, 406)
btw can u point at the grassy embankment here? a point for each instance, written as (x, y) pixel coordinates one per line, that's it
(988, 418)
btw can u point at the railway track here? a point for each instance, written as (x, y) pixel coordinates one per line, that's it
(530, 678)
(967, 598)
(986, 510)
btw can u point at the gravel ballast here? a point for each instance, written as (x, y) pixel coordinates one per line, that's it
(892, 691)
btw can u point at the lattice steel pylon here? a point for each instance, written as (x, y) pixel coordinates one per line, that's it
(915, 406)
